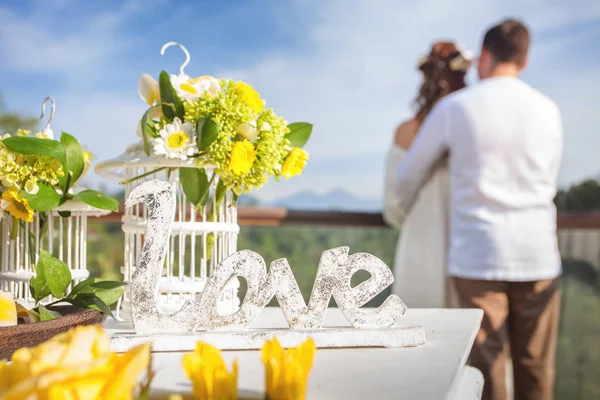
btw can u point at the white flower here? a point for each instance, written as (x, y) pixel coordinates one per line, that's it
(148, 89)
(265, 126)
(31, 187)
(176, 140)
(191, 88)
(248, 131)
(47, 133)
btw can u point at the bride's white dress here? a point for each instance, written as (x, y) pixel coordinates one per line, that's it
(420, 278)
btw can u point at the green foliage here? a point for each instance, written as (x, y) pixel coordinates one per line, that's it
(10, 122)
(32, 145)
(584, 196)
(75, 163)
(52, 277)
(172, 105)
(97, 199)
(207, 132)
(195, 185)
(47, 315)
(299, 133)
(149, 129)
(45, 199)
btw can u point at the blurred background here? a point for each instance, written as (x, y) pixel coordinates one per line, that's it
(347, 66)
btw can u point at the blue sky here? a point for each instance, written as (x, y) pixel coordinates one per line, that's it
(348, 66)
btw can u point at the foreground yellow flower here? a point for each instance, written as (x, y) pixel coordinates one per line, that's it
(8, 309)
(249, 96)
(17, 206)
(294, 163)
(287, 370)
(242, 157)
(74, 365)
(206, 369)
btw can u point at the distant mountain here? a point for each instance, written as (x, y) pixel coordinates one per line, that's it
(337, 199)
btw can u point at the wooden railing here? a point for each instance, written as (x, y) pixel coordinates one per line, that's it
(275, 216)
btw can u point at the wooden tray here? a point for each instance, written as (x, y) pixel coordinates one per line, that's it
(13, 338)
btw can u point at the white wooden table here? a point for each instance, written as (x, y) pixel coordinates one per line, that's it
(431, 372)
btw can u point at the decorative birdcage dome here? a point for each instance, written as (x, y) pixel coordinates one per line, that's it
(63, 236)
(200, 240)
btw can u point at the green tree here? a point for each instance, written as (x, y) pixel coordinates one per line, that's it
(10, 122)
(584, 196)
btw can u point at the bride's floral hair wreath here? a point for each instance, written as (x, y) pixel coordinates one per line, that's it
(224, 126)
(454, 56)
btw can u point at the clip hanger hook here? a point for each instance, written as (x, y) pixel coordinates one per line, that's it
(51, 111)
(185, 51)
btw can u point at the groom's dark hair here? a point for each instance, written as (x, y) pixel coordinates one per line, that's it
(508, 42)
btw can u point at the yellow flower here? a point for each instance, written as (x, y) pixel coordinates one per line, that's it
(74, 365)
(23, 132)
(294, 163)
(206, 369)
(17, 206)
(8, 309)
(242, 157)
(287, 370)
(249, 96)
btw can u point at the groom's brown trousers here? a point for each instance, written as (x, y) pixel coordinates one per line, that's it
(524, 314)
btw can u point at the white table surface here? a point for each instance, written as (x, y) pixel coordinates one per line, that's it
(430, 372)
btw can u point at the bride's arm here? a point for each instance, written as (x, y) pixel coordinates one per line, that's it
(391, 208)
(429, 146)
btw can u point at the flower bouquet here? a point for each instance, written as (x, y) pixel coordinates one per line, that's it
(224, 127)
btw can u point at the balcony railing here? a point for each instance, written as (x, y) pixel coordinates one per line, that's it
(301, 236)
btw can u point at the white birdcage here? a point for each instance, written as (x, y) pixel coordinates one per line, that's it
(198, 243)
(64, 237)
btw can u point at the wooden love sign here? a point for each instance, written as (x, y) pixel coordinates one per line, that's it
(336, 267)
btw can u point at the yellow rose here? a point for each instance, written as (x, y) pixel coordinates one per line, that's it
(8, 309)
(74, 365)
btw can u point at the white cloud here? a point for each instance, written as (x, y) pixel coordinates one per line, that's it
(355, 78)
(351, 72)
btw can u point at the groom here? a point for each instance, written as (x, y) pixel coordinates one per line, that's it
(504, 141)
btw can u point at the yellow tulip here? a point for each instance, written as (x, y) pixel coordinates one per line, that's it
(287, 371)
(148, 89)
(74, 365)
(8, 309)
(206, 369)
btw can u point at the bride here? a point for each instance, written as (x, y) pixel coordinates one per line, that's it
(420, 265)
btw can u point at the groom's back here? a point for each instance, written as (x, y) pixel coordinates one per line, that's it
(505, 144)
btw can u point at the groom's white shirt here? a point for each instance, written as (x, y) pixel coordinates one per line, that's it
(504, 141)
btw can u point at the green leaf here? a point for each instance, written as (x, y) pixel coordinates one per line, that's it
(148, 129)
(91, 300)
(77, 288)
(75, 161)
(39, 287)
(169, 95)
(31, 145)
(299, 133)
(47, 315)
(64, 214)
(45, 199)
(108, 291)
(55, 272)
(207, 132)
(98, 199)
(101, 284)
(195, 184)
(220, 192)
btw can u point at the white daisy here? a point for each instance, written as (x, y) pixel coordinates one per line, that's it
(176, 140)
(191, 88)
